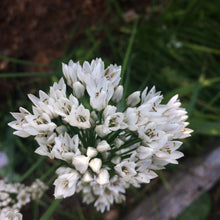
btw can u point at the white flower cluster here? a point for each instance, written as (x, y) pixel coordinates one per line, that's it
(104, 150)
(13, 196)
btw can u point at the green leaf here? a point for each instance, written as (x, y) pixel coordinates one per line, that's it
(26, 74)
(51, 209)
(198, 210)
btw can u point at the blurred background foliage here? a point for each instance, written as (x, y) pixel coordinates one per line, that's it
(174, 45)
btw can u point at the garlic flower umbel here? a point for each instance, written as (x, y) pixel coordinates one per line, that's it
(13, 196)
(104, 150)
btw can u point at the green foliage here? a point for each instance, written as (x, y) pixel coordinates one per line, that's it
(198, 210)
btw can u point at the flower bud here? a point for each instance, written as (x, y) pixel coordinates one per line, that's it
(81, 163)
(78, 89)
(61, 129)
(99, 130)
(133, 99)
(116, 160)
(103, 146)
(117, 96)
(91, 152)
(103, 177)
(87, 177)
(118, 142)
(95, 164)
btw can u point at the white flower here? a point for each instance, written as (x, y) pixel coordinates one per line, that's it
(109, 149)
(126, 170)
(79, 117)
(13, 196)
(65, 147)
(23, 198)
(13, 215)
(65, 185)
(46, 143)
(170, 157)
(145, 176)
(144, 152)
(112, 121)
(64, 105)
(100, 82)
(37, 189)
(21, 124)
(131, 118)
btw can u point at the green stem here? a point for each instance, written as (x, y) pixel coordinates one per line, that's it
(31, 170)
(51, 209)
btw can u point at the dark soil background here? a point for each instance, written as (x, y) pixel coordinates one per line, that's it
(38, 30)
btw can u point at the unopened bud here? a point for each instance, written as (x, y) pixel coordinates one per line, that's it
(103, 177)
(103, 146)
(95, 164)
(78, 89)
(87, 177)
(118, 94)
(91, 152)
(81, 163)
(133, 99)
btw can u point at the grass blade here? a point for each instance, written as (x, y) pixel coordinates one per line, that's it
(128, 51)
(26, 74)
(51, 209)
(31, 170)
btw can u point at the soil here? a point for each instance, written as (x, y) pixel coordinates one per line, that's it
(38, 30)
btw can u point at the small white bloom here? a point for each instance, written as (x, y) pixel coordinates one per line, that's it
(23, 197)
(46, 145)
(144, 152)
(146, 176)
(13, 215)
(126, 170)
(79, 117)
(131, 118)
(114, 123)
(65, 147)
(65, 185)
